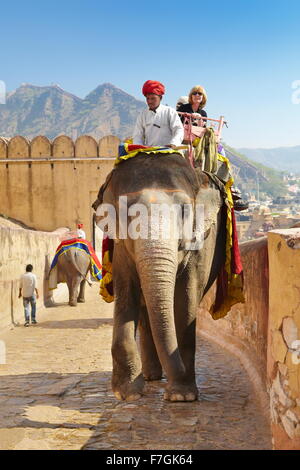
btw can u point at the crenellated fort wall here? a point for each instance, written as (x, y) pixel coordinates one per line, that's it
(50, 184)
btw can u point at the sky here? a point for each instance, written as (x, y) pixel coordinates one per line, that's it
(246, 54)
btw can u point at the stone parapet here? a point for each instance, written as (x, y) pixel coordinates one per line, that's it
(265, 331)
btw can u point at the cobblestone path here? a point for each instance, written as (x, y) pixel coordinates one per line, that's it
(55, 392)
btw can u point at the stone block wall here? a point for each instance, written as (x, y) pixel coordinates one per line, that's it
(283, 365)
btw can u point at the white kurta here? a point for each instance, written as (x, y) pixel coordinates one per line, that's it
(158, 128)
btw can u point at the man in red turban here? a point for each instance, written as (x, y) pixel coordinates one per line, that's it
(158, 125)
(151, 86)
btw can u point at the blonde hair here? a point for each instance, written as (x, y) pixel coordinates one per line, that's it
(201, 90)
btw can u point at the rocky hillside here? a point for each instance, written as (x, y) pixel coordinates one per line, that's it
(250, 175)
(32, 110)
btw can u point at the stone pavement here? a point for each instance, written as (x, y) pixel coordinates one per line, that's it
(55, 392)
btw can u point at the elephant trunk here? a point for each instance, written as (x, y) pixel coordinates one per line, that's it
(157, 262)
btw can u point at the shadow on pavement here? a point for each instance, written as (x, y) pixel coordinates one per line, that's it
(91, 323)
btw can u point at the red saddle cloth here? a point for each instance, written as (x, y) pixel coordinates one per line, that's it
(81, 244)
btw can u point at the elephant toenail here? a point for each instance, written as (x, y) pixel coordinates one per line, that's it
(191, 397)
(118, 395)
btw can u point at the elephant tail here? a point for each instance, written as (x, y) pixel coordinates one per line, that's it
(81, 262)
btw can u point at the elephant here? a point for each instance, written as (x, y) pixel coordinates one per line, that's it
(159, 283)
(72, 267)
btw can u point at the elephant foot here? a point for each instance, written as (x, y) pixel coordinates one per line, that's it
(80, 300)
(132, 397)
(181, 393)
(129, 391)
(73, 303)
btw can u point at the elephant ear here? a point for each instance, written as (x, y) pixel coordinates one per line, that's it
(206, 179)
(210, 195)
(202, 179)
(99, 199)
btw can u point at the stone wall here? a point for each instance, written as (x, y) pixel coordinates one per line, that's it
(283, 365)
(20, 247)
(48, 184)
(265, 331)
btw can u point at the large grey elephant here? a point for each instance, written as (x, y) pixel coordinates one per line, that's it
(158, 283)
(72, 267)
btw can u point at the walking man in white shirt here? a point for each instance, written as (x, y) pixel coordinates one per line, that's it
(158, 125)
(28, 290)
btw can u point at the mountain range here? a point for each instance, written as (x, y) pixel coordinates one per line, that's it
(33, 110)
(285, 159)
(49, 110)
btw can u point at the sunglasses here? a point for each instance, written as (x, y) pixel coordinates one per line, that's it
(197, 93)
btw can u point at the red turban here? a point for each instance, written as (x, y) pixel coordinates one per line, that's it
(151, 86)
(79, 225)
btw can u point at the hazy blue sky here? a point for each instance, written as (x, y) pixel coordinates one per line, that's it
(245, 53)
